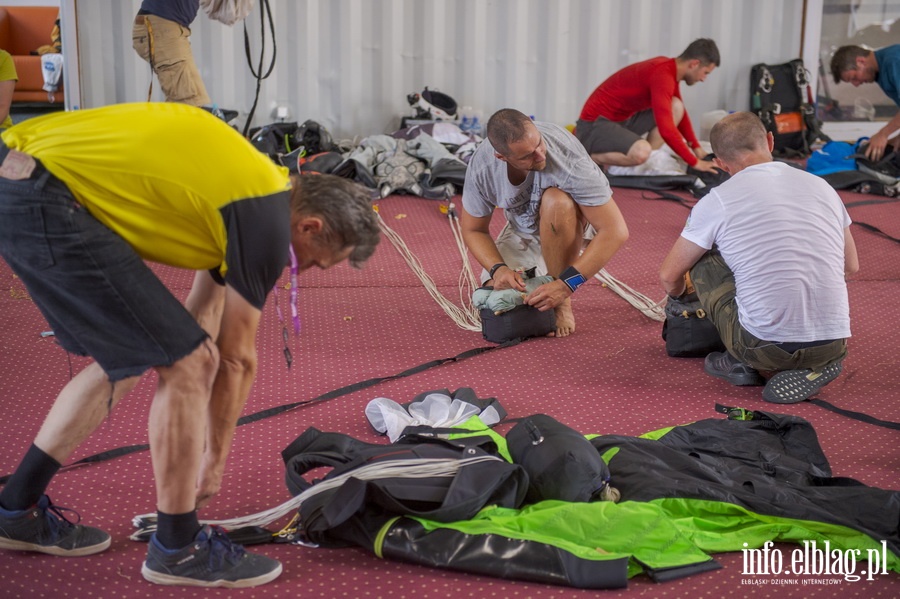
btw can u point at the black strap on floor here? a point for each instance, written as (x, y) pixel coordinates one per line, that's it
(874, 229)
(873, 202)
(269, 412)
(861, 416)
(867, 226)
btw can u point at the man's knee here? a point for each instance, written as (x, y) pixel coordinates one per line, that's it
(677, 110)
(200, 366)
(557, 203)
(640, 151)
(180, 82)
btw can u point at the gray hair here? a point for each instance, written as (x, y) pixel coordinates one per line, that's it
(345, 208)
(737, 134)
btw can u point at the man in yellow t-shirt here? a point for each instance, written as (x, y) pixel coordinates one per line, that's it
(8, 78)
(85, 198)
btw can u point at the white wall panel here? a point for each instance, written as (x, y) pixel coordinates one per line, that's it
(350, 63)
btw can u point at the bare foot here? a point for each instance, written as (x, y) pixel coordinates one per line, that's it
(565, 319)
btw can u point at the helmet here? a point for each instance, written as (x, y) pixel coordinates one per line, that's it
(433, 105)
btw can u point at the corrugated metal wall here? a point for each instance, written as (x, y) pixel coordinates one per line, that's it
(350, 63)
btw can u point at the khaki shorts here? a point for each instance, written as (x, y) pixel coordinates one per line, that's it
(166, 46)
(523, 251)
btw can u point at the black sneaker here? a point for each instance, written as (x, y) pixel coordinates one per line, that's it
(44, 528)
(723, 365)
(792, 386)
(212, 560)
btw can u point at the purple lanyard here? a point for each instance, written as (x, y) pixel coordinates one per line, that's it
(295, 316)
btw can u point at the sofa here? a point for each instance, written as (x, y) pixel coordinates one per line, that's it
(23, 29)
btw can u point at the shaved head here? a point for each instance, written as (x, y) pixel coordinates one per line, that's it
(505, 127)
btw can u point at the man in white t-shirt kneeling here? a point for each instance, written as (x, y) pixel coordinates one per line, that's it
(768, 252)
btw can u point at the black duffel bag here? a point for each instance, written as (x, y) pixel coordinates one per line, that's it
(687, 331)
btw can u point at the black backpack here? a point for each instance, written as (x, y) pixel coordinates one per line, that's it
(561, 463)
(286, 142)
(781, 96)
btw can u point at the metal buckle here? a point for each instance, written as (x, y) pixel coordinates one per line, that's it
(766, 81)
(739, 414)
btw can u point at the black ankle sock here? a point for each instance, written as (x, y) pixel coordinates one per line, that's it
(29, 481)
(175, 531)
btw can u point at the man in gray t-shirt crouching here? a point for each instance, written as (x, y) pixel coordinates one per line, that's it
(556, 200)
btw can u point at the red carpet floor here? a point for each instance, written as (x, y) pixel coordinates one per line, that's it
(611, 376)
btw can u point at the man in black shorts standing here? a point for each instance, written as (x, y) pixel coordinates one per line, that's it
(85, 198)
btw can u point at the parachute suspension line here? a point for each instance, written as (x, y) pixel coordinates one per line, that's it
(649, 308)
(466, 317)
(413, 468)
(468, 283)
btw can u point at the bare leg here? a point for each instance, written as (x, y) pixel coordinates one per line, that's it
(79, 409)
(89, 397)
(206, 302)
(177, 427)
(655, 139)
(637, 154)
(561, 241)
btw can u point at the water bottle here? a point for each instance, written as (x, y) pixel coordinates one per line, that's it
(465, 120)
(216, 111)
(475, 127)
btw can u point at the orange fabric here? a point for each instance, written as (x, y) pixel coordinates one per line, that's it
(789, 122)
(23, 29)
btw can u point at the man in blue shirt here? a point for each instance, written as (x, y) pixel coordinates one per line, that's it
(857, 65)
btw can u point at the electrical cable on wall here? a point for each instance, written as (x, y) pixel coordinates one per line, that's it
(265, 13)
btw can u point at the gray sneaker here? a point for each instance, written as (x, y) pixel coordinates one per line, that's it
(725, 366)
(792, 386)
(45, 529)
(212, 560)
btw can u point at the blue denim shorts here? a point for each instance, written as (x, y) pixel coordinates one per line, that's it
(97, 294)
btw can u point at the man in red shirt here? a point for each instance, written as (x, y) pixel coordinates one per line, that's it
(644, 98)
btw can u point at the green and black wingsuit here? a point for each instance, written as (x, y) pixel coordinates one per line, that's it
(711, 486)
